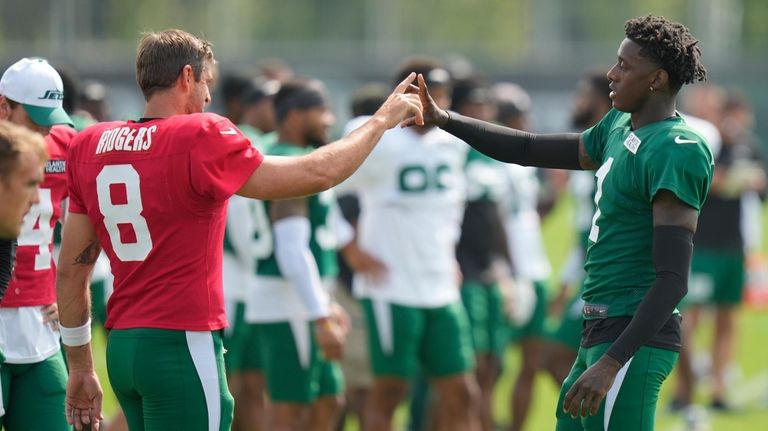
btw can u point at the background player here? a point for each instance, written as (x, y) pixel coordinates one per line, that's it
(412, 193)
(723, 240)
(150, 193)
(482, 251)
(22, 157)
(293, 321)
(242, 246)
(528, 302)
(34, 376)
(641, 237)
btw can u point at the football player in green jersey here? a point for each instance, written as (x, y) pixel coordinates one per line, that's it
(653, 174)
(293, 320)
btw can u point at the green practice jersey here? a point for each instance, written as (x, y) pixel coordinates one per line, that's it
(635, 165)
(323, 242)
(259, 139)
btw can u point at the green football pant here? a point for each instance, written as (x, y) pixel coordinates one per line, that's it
(630, 404)
(170, 380)
(33, 395)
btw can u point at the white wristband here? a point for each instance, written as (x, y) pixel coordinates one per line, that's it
(74, 337)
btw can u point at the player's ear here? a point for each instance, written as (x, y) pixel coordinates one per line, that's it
(660, 79)
(5, 108)
(186, 77)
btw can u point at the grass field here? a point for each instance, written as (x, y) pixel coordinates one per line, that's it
(749, 389)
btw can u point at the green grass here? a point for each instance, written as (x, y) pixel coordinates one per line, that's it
(750, 386)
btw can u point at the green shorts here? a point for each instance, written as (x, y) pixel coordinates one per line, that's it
(237, 344)
(535, 326)
(292, 363)
(167, 379)
(568, 330)
(33, 395)
(485, 309)
(630, 404)
(404, 340)
(717, 277)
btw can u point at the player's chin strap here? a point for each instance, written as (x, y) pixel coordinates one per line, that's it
(672, 251)
(74, 337)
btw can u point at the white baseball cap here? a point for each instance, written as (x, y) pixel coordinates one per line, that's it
(37, 86)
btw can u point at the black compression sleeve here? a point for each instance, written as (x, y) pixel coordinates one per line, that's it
(559, 151)
(7, 259)
(672, 250)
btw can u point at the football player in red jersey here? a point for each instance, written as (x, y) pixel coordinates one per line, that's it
(22, 156)
(152, 193)
(34, 376)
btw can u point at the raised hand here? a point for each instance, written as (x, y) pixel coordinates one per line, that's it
(432, 115)
(83, 402)
(401, 104)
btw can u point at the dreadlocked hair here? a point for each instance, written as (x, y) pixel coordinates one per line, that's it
(671, 45)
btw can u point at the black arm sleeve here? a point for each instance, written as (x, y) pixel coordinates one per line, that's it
(557, 151)
(672, 250)
(7, 259)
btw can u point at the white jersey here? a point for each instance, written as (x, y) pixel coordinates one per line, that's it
(526, 245)
(411, 190)
(241, 245)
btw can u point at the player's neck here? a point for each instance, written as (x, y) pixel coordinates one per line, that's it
(163, 105)
(654, 110)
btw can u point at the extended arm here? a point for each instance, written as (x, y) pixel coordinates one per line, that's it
(79, 251)
(559, 151)
(288, 177)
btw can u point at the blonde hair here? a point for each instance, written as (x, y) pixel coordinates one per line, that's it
(161, 57)
(15, 140)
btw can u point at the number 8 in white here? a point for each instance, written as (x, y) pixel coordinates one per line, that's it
(127, 213)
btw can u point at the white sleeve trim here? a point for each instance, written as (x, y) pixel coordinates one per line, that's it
(296, 263)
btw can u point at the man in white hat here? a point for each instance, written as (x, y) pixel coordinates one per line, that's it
(34, 375)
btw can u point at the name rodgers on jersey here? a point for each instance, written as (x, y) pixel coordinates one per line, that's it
(126, 139)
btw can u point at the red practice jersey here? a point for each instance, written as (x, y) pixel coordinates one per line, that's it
(156, 193)
(34, 276)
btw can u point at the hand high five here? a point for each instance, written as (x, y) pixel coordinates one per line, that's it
(401, 104)
(432, 115)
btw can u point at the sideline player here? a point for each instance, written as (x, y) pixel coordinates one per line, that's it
(653, 174)
(242, 246)
(482, 251)
(22, 157)
(291, 315)
(34, 375)
(152, 193)
(528, 298)
(411, 192)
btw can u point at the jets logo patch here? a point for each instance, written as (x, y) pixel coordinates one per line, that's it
(632, 143)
